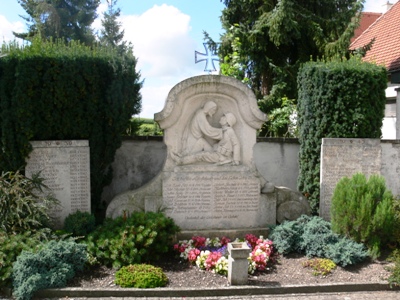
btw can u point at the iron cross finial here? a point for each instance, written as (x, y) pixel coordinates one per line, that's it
(210, 57)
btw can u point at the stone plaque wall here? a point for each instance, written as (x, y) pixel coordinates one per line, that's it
(391, 165)
(345, 157)
(212, 200)
(65, 166)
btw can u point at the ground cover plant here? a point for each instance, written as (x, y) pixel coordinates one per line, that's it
(212, 254)
(314, 237)
(51, 266)
(141, 276)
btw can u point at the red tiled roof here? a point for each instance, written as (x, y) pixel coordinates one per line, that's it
(386, 31)
(367, 18)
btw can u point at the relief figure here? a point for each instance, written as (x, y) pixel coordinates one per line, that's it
(226, 151)
(199, 129)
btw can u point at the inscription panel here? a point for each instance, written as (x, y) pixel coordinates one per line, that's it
(345, 157)
(212, 200)
(65, 166)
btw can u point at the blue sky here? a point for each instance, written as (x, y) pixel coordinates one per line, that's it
(165, 35)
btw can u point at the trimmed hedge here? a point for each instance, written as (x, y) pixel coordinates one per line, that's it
(49, 91)
(343, 99)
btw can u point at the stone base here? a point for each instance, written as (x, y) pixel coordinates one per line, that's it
(230, 233)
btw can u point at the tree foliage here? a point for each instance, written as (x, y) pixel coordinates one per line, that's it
(265, 41)
(111, 34)
(59, 19)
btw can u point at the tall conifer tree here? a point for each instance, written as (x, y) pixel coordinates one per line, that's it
(59, 19)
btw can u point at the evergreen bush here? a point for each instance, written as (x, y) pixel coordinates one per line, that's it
(394, 278)
(23, 205)
(338, 99)
(143, 236)
(53, 91)
(11, 246)
(79, 223)
(51, 267)
(141, 276)
(363, 211)
(313, 237)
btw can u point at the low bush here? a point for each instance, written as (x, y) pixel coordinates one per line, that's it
(11, 246)
(313, 237)
(363, 211)
(321, 266)
(23, 205)
(50, 267)
(141, 276)
(394, 278)
(79, 223)
(143, 236)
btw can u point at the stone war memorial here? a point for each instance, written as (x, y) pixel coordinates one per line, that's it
(65, 167)
(209, 182)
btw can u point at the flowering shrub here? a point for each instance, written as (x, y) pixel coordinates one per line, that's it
(212, 255)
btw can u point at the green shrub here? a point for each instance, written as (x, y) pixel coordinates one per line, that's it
(140, 237)
(79, 223)
(321, 266)
(394, 278)
(11, 245)
(51, 267)
(363, 211)
(21, 206)
(141, 276)
(57, 91)
(332, 103)
(313, 237)
(287, 236)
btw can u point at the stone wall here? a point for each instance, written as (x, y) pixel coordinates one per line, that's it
(140, 159)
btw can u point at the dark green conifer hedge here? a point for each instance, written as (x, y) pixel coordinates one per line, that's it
(53, 91)
(339, 99)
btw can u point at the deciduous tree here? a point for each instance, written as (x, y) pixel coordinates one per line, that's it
(265, 41)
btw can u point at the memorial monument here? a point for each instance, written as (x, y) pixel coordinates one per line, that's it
(209, 181)
(65, 168)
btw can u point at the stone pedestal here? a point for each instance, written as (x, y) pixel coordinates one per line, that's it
(238, 263)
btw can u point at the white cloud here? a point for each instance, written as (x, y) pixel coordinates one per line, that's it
(161, 41)
(7, 27)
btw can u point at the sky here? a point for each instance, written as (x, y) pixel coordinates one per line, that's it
(165, 35)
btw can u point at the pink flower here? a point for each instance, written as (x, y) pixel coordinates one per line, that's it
(212, 260)
(192, 256)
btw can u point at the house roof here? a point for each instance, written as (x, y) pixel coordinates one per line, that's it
(367, 18)
(386, 48)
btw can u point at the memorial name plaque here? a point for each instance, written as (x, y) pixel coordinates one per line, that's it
(219, 199)
(65, 167)
(345, 157)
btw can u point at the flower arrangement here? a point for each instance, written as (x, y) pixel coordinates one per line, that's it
(212, 255)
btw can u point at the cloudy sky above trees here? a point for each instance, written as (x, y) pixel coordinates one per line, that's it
(165, 35)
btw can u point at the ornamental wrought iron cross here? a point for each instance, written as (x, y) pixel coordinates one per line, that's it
(209, 57)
